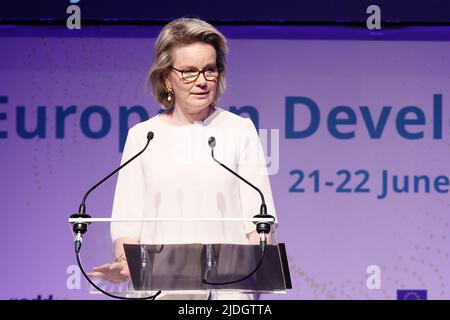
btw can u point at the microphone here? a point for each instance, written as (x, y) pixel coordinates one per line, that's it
(80, 228)
(262, 227)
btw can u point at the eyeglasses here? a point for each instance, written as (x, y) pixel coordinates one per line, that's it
(191, 75)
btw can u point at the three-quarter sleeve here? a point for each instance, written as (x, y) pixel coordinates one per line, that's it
(252, 166)
(129, 192)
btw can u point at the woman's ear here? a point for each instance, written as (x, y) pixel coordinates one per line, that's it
(168, 84)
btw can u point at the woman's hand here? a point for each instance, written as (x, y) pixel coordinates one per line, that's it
(115, 272)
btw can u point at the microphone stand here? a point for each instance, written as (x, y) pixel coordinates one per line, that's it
(80, 228)
(263, 228)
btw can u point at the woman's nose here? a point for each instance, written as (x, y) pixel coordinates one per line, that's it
(201, 80)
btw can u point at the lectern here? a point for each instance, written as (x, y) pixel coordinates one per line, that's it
(205, 254)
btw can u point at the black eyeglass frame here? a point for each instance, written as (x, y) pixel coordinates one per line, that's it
(219, 69)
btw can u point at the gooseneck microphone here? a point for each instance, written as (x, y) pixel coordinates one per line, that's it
(80, 228)
(263, 228)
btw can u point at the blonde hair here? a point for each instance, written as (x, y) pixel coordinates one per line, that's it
(179, 32)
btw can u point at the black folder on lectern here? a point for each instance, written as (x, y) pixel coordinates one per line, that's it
(184, 266)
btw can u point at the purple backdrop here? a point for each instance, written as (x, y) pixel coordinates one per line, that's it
(383, 105)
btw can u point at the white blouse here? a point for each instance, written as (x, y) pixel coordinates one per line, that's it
(176, 177)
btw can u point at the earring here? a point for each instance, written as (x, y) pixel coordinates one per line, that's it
(169, 95)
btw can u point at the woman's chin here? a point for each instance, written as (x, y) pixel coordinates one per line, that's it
(199, 104)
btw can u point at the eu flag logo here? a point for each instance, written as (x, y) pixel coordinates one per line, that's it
(411, 294)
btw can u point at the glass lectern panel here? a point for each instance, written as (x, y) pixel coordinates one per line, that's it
(183, 256)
